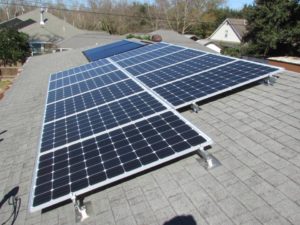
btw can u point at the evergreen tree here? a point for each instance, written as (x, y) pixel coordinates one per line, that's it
(14, 46)
(273, 28)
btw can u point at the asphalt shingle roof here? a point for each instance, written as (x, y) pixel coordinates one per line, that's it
(239, 26)
(257, 139)
(55, 29)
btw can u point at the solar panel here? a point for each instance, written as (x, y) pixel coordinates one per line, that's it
(182, 69)
(215, 81)
(149, 56)
(81, 83)
(161, 62)
(111, 49)
(75, 70)
(138, 51)
(115, 117)
(98, 119)
(102, 159)
(86, 100)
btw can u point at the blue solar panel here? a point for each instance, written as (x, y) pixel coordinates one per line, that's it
(149, 56)
(212, 82)
(78, 69)
(100, 160)
(159, 63)
(90, 99)
(84, 82)
(99, 119)
(81, 76)
(139, 51)
(111, 49)
(183, 69)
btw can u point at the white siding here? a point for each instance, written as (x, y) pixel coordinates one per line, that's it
(225, 33)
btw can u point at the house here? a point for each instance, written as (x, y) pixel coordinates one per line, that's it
(256, 134)
(44, 29)
(229, 34)
(47, 31)
(231, 30)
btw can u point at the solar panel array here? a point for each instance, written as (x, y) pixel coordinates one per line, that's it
(115, 117)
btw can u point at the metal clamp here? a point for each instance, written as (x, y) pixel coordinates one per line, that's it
(80, 209)
(211, 161)
(195, 108)
(271, 80)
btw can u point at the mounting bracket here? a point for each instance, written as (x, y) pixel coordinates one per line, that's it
(270, 80)
(80, 209)
(211, 161)
(195, 107)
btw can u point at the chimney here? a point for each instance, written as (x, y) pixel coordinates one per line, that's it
(42, 23)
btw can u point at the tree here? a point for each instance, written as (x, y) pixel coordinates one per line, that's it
(14, 46)
(181, 15)
(273, 28)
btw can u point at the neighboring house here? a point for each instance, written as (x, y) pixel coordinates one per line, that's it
(175, 38)
(230, 33)
(231, 30)
(44, 29)
(47, 31)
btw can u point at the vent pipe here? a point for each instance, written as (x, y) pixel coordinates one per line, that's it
(42, 17)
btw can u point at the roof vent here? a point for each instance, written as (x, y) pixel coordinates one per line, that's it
(42, 23)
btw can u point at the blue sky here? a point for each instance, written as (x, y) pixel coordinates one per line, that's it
(238, 4)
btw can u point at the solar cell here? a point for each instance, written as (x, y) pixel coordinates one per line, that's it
(162, 62)
(183, 69)
(213, 82)
(75, 104)
(111, 49)
(98, 119)
(102, 159)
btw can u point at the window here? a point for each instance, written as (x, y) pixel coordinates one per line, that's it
(226, 33)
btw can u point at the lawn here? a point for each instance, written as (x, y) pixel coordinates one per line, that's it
(4, 84)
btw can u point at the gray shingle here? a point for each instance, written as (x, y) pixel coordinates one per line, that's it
(259, 175)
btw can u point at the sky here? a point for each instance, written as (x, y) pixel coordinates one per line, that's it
(238, 4)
